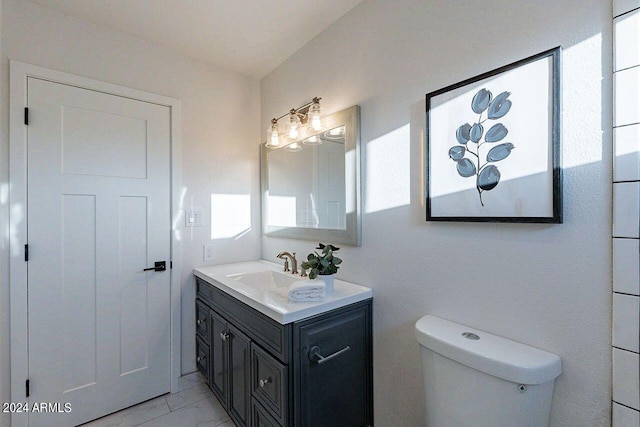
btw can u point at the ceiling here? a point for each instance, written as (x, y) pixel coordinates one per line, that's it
(251, 37)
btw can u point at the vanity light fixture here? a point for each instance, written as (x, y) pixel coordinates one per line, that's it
(308, 113)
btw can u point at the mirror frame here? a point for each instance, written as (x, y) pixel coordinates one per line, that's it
(352, 234)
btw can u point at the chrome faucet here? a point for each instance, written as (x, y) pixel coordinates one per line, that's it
(294, 262)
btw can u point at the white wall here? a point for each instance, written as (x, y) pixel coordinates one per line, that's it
(545, 285)
(220, 127)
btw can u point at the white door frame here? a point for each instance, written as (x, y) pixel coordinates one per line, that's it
(19, 72)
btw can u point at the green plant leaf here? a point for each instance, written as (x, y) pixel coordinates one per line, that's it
(313, 273)
(336, 260)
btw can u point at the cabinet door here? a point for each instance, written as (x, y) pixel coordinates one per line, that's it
(218, 371)
(335, 391)
(239, 375)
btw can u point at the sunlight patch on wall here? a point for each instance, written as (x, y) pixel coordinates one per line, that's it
(281, 211)
(230, 215)
(583, 130)
(387, 180)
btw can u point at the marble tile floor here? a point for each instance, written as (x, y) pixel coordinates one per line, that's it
(192, 406)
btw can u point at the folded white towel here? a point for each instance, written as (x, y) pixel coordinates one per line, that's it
(307, 290)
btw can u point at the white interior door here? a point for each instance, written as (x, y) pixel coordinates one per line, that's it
(98, 214)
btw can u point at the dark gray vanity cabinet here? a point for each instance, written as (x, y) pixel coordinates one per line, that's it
(317, 371)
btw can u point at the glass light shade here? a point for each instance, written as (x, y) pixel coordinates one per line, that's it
(314, 117)
(294, 125)
(293, 147)
(334, 134)
(312, 140)
(273, 139)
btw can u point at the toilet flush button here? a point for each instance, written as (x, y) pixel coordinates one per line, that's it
(470, 336)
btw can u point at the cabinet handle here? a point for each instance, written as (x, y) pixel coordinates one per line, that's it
(224, 336)
(200, 321)
(315, 356)
(263, 383)
(200, 358)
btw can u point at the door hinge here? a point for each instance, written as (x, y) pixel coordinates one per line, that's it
(27, 388)
(170, 264)
(26, 252)
(26, 116)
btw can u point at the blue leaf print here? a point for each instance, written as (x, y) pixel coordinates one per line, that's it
(499, 106)
(462, 134)
(466, 168)
(496, 133)
(457, 152)
(499, 152)
(481, 101)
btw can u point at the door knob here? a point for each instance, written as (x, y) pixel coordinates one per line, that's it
(158, 266)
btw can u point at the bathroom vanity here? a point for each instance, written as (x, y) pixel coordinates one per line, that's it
(275, 363)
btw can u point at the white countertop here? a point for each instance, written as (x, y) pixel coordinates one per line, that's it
(274, 301)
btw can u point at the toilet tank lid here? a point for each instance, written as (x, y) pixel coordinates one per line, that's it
(491, 354)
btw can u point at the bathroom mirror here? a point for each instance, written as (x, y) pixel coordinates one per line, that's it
(311, 187)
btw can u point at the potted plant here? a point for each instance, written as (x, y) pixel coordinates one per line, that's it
(325, 264)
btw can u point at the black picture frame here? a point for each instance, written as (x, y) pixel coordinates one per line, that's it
(515, 109)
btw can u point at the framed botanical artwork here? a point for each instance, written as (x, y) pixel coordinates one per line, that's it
(493, 145)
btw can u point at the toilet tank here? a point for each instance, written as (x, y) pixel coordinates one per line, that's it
(473, 378)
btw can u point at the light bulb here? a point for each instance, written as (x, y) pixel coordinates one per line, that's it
(294, 124)
(314, 116)
(273, 139)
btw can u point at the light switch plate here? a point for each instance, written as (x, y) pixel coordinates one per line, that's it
(193, 218)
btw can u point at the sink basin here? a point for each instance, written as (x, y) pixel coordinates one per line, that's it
(267, 279)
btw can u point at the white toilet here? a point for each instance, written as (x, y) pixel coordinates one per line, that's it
(476, 379)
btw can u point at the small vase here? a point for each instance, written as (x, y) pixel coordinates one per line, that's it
(328, 282)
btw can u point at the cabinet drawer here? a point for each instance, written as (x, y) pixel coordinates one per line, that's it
(204, 291)
(202, 321)
(269, 383)
(202, 357)
(260, 417)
